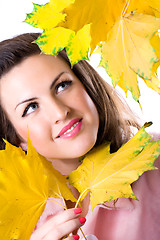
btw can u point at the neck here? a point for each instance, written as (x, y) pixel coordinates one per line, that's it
(65, 166)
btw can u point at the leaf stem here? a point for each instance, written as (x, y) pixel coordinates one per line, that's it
(125, 8)
(83, 234)
(80, 197)
(76, 207)
(65, 206)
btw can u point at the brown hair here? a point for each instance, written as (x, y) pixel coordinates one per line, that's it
(115, 116)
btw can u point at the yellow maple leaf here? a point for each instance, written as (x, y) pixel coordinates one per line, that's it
(55, 38)
(26, 183)
(47, 16)
(150, 7)
(75, 14)
(76, 44)
(128, 52)
(79, 45)
(59, 36)
(124, 27)
(108, 176)
(154, 82)
(101, 15)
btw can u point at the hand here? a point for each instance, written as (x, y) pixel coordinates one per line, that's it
(91, 237)
(60, 225)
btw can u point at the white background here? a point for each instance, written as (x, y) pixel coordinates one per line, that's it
(12, 15)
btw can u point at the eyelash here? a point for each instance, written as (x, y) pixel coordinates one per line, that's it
(28, 107)
(67, 83)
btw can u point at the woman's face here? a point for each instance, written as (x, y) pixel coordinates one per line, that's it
(43, 96)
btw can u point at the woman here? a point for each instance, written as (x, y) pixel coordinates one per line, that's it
(68, 112)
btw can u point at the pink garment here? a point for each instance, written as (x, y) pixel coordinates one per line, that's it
(130, 219)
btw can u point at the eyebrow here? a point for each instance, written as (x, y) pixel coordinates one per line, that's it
(56, 78)
(27, 100)
(51, 86)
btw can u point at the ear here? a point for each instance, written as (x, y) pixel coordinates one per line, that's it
(23, 145)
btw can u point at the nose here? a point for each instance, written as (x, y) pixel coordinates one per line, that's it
(56, 110)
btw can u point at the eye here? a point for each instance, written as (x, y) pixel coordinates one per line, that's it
(62, 86)
(30, 108)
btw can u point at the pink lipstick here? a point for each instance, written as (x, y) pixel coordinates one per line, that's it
(71, 129)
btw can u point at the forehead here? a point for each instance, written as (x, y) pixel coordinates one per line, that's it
(35, 72)
(36, 63)
(33, 67)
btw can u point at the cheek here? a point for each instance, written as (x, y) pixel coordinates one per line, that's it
(22, 131)
(35, 130)
(89, 106)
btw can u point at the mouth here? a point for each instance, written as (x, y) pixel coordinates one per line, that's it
(70, 129)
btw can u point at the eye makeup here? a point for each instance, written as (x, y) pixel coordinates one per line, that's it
(64, 84)
(31, 107)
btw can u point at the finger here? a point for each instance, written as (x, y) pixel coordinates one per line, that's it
(55, 221)
(64, 229)
(74, 237)
(61, 218)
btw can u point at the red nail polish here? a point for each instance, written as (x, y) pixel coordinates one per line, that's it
(77, 210)
(82, 220)
(76, 237)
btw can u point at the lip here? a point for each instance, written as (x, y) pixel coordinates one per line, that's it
(73, 132)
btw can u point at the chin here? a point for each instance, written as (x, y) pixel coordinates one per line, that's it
(84, 148)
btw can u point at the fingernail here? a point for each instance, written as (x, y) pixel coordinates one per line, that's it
(82, 220)
(77, 210)
(76, 237)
